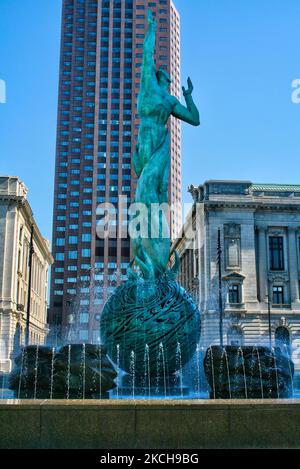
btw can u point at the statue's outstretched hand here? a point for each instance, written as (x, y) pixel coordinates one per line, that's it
(151, 20)
(190, 88)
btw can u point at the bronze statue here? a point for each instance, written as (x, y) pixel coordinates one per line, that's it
(152, 155)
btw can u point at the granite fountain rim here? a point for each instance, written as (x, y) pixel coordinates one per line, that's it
(170, 404)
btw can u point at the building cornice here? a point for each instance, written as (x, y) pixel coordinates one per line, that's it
(250, 205)
(23, 205)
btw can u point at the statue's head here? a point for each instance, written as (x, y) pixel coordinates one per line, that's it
(163, 78)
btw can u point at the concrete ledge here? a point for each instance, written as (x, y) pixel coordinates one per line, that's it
(152, 424)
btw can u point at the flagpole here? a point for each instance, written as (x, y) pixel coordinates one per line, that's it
(219, 257)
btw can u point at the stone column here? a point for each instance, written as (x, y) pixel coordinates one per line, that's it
(262, 263)
(293, 265)
(191, 261)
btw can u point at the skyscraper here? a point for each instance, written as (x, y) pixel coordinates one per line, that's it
(100, 68)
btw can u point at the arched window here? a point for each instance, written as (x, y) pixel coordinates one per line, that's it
(282, 338)
(235, 336)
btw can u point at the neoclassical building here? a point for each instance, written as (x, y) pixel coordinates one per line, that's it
(259, 253)
(18, 232)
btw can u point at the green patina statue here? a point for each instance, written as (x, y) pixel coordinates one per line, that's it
(150, 325)
(152, 156)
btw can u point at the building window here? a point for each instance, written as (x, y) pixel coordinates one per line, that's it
(58, 292)
(72, 279)
(84, 302)
(72, 254)
(278, 295)
(83, 335)
(21, 234)
(85, 278)
(85, 252)
(232, 239)
(86, 237)
(59, 281)
(84, 318)
(276, 253)
(96, 337)
(234, 294)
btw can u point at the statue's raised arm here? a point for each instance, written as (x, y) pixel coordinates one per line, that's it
(190, 113)
(148, 68)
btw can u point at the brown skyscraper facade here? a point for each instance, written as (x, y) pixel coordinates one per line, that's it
(100, 68)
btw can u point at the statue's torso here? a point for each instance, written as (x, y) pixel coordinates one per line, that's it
(156, 104)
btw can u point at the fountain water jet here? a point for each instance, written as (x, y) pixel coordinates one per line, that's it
(69, 371)
(36, 371)
(147, 371)
(83, 371)
(132, 372)
(52, 373)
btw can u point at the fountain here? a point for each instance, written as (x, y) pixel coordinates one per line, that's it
(150, 332)
(150, 326)
(151, 308)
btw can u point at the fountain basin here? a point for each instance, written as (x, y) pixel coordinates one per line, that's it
(154, 424)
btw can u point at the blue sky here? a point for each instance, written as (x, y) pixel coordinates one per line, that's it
(242, 56)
